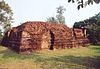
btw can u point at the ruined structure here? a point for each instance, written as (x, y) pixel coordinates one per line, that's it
(32, 36)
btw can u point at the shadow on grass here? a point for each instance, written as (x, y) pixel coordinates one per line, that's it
(98, 44)
(70, 62)
(78, 62)
(13, 55)
(96, 48)
(56, 62)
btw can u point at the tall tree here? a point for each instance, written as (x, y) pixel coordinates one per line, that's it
(5, 15)
(59, 16)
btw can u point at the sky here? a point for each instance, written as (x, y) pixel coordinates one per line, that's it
(40, 10)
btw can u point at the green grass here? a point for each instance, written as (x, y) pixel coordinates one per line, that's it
(76, 58)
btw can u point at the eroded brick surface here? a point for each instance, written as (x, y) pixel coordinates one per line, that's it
(32, 36)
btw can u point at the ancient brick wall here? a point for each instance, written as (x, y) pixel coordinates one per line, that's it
(32, 36)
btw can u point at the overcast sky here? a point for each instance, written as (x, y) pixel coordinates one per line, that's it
(39, 10)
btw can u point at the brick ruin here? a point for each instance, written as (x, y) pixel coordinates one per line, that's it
(32, 36)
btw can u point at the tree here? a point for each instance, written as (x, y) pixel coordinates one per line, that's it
(5, 15)
(93, 27)
(52, 20)
(59, 16)
(82, 4)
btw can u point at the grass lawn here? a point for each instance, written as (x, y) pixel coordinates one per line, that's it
(76, 58)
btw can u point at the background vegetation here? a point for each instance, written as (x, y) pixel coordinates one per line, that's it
(59, 17)
(84, 3)
(5, 17)
(93, 28)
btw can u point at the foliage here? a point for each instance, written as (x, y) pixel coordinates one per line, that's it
(82, 4)
(1, 34)
(59, 17)
(93, 27)
(5, 15)
(52, 20)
